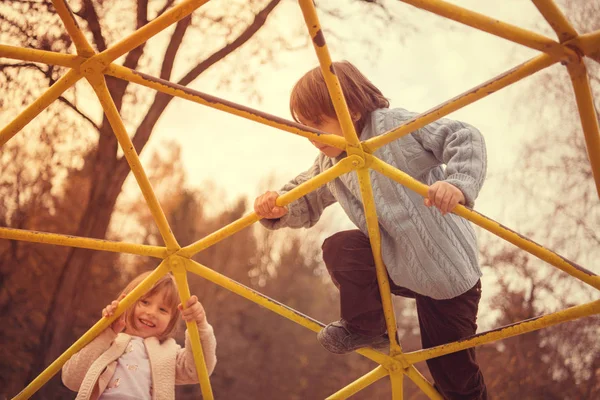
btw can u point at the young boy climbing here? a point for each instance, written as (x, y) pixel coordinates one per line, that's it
(431, 255)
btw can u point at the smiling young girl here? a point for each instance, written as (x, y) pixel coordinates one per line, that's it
(137, 358)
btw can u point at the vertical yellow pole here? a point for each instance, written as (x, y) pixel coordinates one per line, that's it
(382, 276)
(333, 84)
(180, 274)
(397, 380)
(589, 116)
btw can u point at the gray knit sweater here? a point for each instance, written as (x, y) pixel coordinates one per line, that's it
(426, 252)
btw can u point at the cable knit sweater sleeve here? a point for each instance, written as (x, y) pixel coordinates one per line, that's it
(462, 148)
(185, 368)
(306, 211)
(75, 369)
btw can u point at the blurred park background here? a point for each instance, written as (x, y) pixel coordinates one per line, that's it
(64, 173)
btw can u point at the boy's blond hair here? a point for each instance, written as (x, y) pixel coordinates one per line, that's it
(310, 99)
(171, 298)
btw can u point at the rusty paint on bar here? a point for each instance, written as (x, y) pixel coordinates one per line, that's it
(39, 105)
(588, 115)
(504, 332)
(495, 27)
(101, 325)
(331, 80)
(485, 89)
(556, 19)
(208, 100)
(110, 110)
(340, 168)
(82, 242)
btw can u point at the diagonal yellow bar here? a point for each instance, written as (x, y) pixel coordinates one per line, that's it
(331, 80)
(589, 116)
(495, 27)
(98, 327)
(277, 307)
(556, 19)
(99, 85)
(154, 27)
(340, 168)
(82, 242)
(499, 230)
(485, 89)
(39, 105)
(183, 92)
(422, 383)
(66, 15)
(504, 332)
(40, 56)
(366, 191)
(359, 384)
(180, 274)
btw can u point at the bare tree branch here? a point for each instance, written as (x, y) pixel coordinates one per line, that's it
(88, 12)
(173, 48)
(161, 100)
(78, 111)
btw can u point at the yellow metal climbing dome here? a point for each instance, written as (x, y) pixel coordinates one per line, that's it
(570, 49)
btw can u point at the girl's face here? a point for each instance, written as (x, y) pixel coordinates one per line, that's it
(151, 315)
(328, 125)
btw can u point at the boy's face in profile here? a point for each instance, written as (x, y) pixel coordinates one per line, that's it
(327, 125)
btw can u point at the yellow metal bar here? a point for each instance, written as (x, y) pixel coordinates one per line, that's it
(94, 331)
(82, 242)
(397, 381)
(276, 307)
(359, 384)
(41, 56)
(588, 44)
(486, 223)
(504, 332)
(382, 277)
(493, 85)
(340, 168)
(40, 104)
(183, 92)
(589, 116)
(556, 19)
(495, 27)
(331, 80)
(422, 383)
(99, 85)
(180, 274)
(152, 28)
(66, 15)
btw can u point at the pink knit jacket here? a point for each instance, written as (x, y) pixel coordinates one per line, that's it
(89, 371)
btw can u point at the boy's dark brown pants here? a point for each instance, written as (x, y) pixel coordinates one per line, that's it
(349, 259)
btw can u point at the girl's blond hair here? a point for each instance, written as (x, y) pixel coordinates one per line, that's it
(170, 295)
(310, 98)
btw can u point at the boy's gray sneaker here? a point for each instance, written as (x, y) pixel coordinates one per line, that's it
(337, 338)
